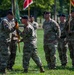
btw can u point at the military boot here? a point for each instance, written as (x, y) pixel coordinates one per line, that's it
(42, 69)
(3, 71)
(10, 68)
(63, 65)
(25, 70)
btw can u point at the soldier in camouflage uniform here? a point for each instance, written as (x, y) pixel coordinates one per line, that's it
(29, 49)
(62, 45)
(5, 30)
(35, 26)
(13, 48)
(51, 34)
(70, 36)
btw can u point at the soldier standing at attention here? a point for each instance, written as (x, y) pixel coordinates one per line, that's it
(5, 38)
(29, 49)
(62, 47)
(51, 34)
(70, 36)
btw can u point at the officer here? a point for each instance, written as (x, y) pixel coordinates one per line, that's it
(51, 34)
(29, 49)
(5, 38)
(69, 28)
(62, 44)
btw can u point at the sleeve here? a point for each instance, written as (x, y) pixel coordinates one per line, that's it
(57, 29)
(26, 33)
(43, 26)
(66, 28)
(35, 25)
(6, 27)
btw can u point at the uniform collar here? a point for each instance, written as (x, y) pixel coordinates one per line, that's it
(48, 20)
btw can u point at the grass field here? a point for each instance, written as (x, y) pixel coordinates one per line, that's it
(33, 69)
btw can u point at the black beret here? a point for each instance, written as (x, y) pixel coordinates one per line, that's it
(62, 15)
(25, 17)
(46, 12)
(9, 12)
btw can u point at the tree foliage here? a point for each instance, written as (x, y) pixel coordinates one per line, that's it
(39, 6)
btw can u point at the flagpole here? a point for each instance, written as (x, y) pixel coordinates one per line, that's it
(69, 15)
(13, 11)
(13, 7)
(29, 11)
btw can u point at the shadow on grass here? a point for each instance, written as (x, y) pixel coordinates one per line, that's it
(66, 68)
(16, 71)
(60, 68)
(35, 69)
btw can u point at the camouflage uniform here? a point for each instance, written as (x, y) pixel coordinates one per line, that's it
(70, 38)
(62, 45)
(51, 34)
(29, 49)
(13, 47)
(5, 30)
(35, 26)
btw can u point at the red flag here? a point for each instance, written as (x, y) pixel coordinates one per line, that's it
(27, 3)
(72, 2)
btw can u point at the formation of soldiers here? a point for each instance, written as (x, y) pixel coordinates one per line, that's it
(62, 33)
(52, 31)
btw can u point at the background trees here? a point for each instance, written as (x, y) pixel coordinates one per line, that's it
(38, 6)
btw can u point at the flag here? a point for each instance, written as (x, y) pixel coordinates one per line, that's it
(15, 10)
(27, 3)
(17, 13)
(72, 2)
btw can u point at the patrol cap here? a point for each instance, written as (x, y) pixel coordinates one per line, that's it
(62, 15)
(46, 12)
(25, 17)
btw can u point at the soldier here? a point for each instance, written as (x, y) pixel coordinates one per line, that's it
(29, 49)
(69, 27)
(35, 26)
(13, 47)
(62, 45)
(51, 34)
(5, 30)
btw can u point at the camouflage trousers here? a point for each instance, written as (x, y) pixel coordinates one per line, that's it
(50, 54)
(62, 50)
(71, 49)
(13, 49)
(4, 54)
(30, 52)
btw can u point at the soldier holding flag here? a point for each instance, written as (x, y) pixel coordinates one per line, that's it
(29, 49)
(5, 38)
(15, 36)
(69, 30)
(70, 36)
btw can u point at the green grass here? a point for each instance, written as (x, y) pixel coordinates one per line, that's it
(33, 69)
